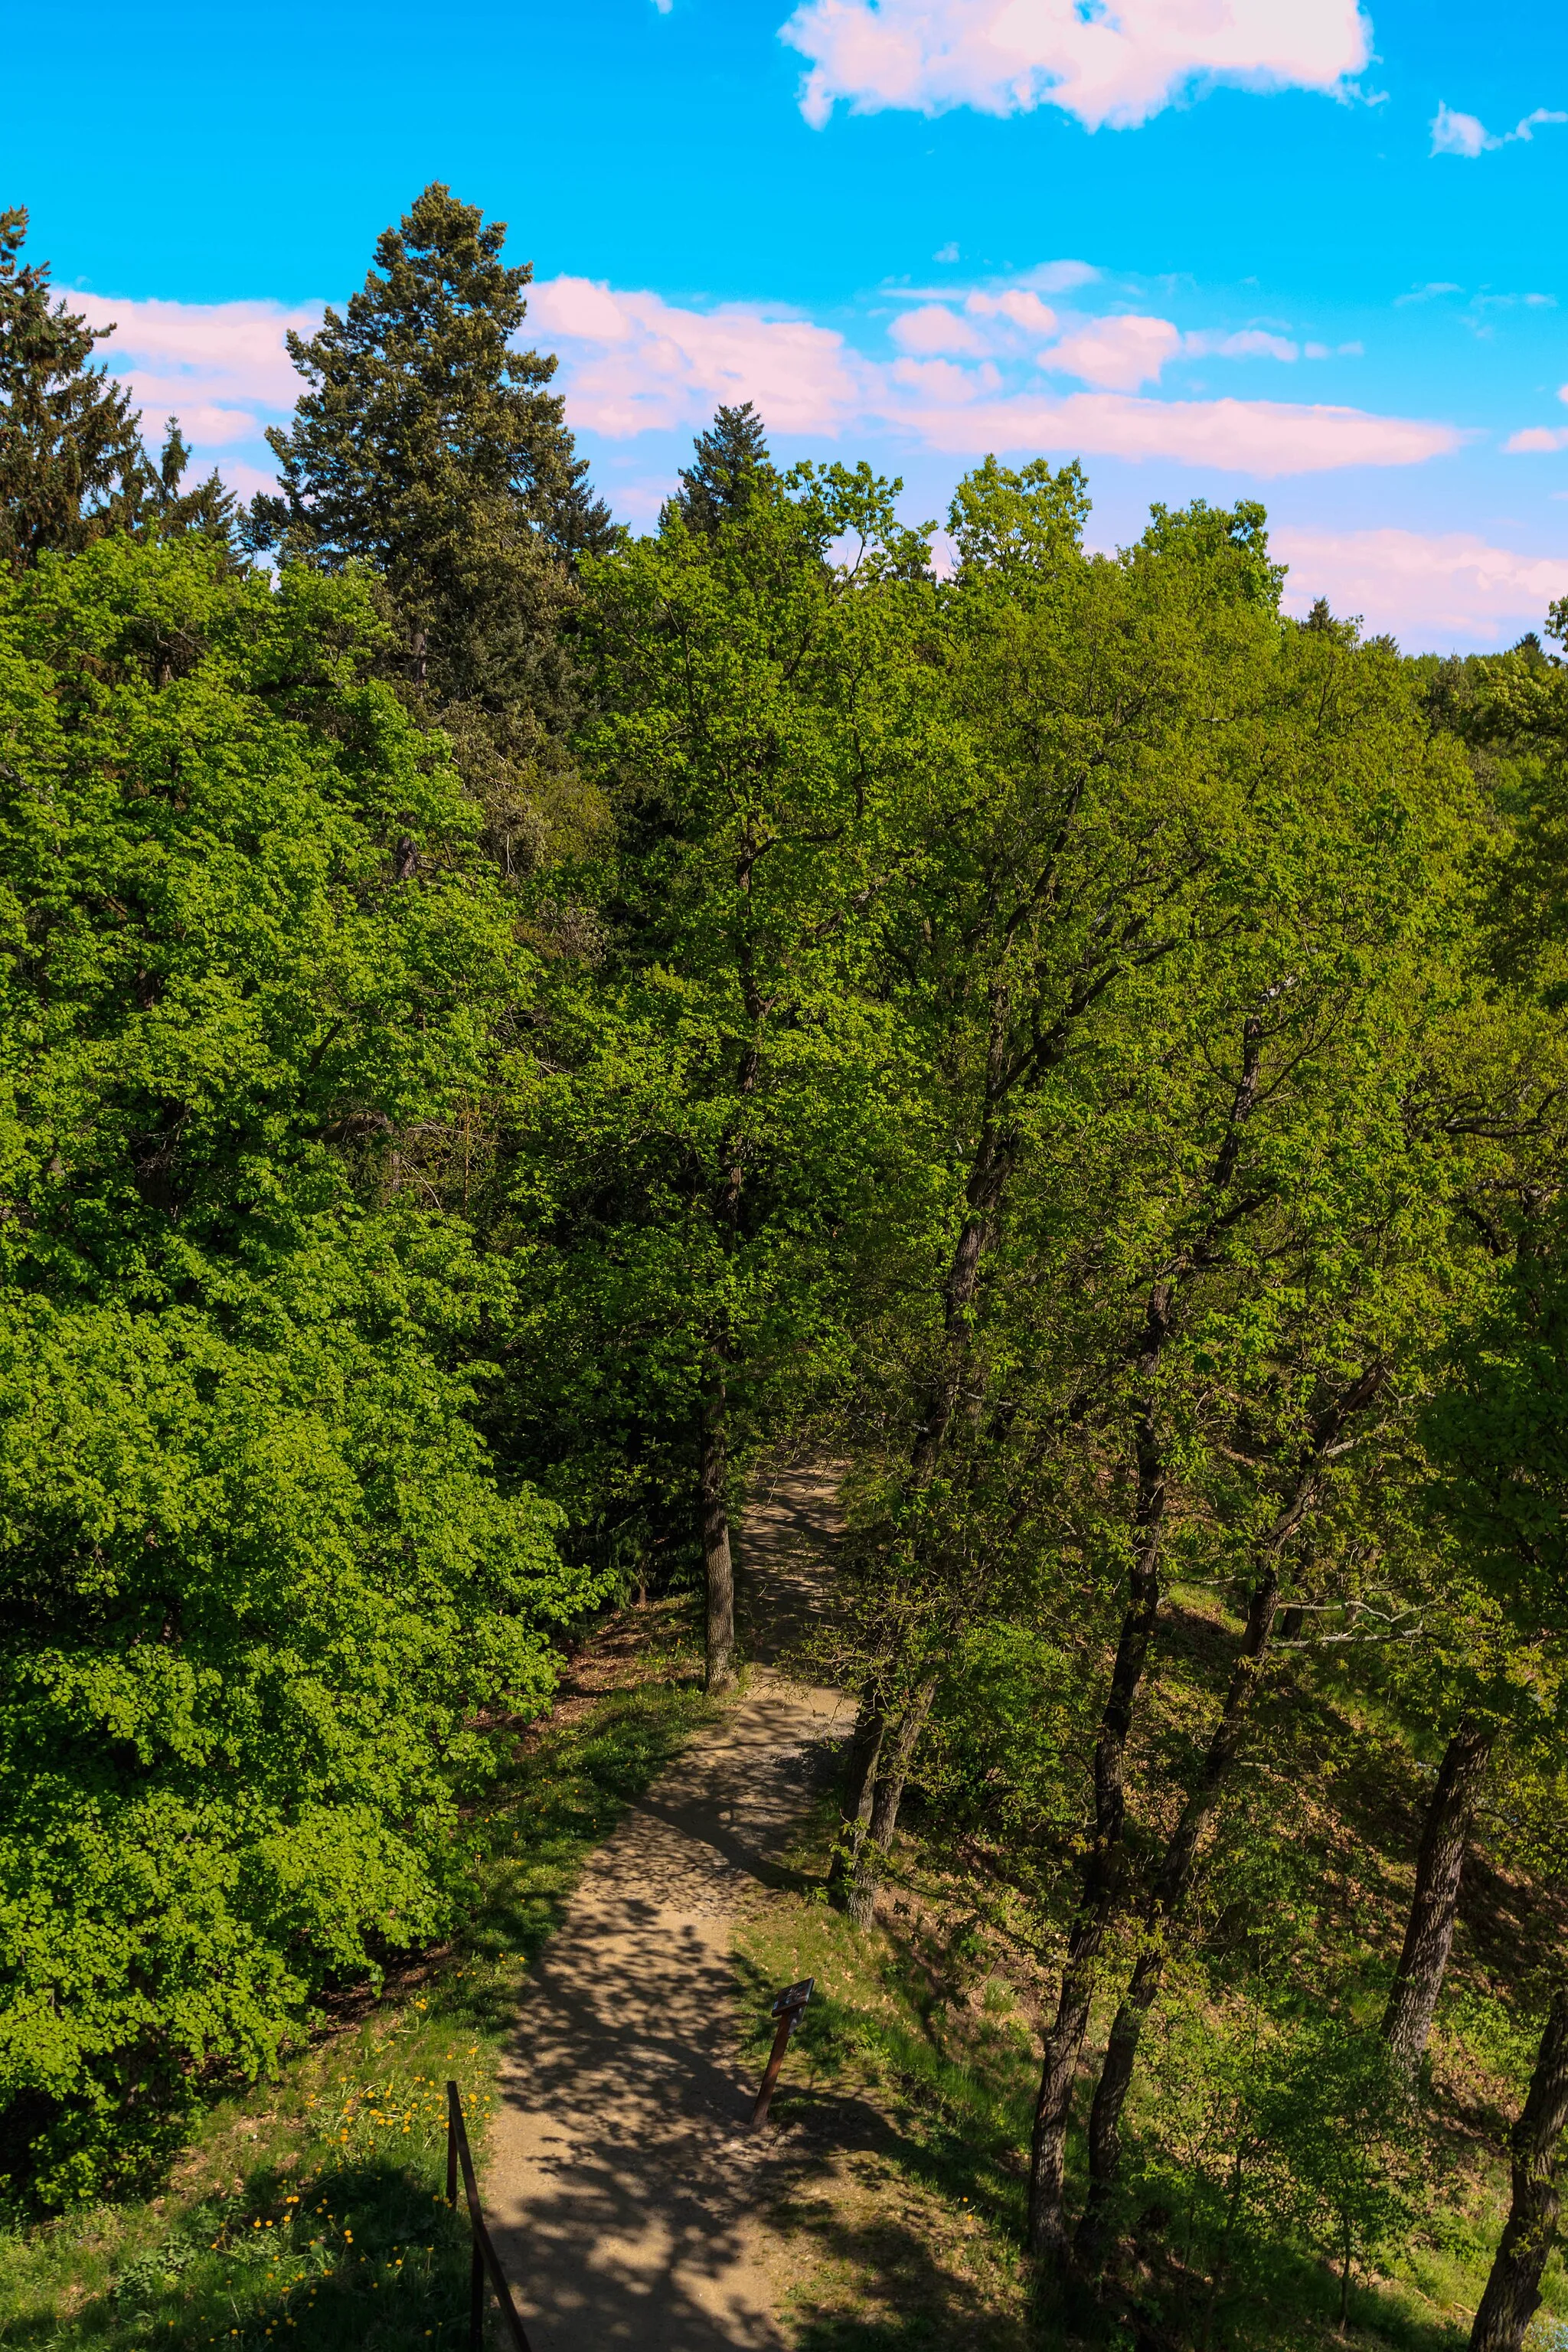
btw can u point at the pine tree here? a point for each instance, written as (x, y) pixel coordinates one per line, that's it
(71, 461)
(731, 459)
(427, 446)
(152, 503)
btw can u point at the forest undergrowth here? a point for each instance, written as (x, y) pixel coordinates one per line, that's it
(909, 2102)
(310, 2209)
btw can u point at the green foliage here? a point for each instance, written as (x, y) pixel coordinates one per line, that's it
(70, 443)
(1501, 1433)
(313, 2203)
(1337, 2113)
(258, 1577)
(732, 460)
(426, 443)
(714, 1146)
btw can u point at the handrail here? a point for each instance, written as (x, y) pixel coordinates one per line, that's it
(485, 2256)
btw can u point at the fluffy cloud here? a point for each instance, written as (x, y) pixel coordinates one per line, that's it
(937, 329)
(1114, 64)
(632, 362)
(1467, 135)
(1019, 307)
(1118, 353)
(1259, 438)
(1451, 585)
(1536, 440)
(638, 362)
(222, 368)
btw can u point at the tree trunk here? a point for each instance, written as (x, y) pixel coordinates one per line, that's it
(1408, 2020)
(865, 1873)
(1047, 2234)
(717, 1559)
(1514, 2290)
(859, 1786)
(1171, 1883)
(1178, 1864)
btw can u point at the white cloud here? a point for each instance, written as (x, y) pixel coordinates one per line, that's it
(1467, 135)
(1020, 309)
(212, 364)
(1249, 343)
(632, 362)
(938, 383)
(1115, 63)
(1459, 134)
(243, 479)
(1118, 353)
(948, 252)
(1059, 277)
(935, 329)
(1452, 584)
(640, 361)
(1260, 437)
(1536, 440)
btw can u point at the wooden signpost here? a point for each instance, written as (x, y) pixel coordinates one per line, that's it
(789, 2008)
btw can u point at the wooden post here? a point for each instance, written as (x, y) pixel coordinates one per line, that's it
(788, 2009)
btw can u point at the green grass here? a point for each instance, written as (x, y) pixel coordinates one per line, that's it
(905, 2104)
(902, 2116)
(310, 2211)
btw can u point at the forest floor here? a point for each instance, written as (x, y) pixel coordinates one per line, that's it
(308, 2209)
(883, 2210)
(623, 2183)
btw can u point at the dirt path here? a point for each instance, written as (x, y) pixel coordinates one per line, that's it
(623, 2183)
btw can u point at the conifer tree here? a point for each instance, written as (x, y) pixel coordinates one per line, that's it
(151, 500)
(732, 460)
(70, 443)
(427, 445)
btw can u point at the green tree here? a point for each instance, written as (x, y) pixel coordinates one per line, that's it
(427, 444)
(731, 461)
(70, 442)
(257, 1576)
(729, 1090)
(1335, 2110)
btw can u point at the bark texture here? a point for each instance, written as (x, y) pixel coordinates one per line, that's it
(1048, 2231)
(1101, 1865)
(1178, 1864)
(1439, 1866)
(1513, 2291)
(718, 1560)
(859, 1788)
(865, 1874)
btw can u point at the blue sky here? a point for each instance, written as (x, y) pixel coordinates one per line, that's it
(1276, 248)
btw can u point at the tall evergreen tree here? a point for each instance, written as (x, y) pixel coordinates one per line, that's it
(70, 442)
(428, 445)
(731, 461)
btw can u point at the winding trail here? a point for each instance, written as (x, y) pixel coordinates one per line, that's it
(623, 2185)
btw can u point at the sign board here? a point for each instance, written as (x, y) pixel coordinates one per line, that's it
(794, 1996)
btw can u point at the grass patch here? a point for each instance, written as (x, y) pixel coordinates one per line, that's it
(905, 2109)
(902, 2116)
(310, 2211)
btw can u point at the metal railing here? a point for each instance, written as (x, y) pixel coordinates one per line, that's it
(485, 2256)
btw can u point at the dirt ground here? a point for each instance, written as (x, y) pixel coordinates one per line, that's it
(624, 2186)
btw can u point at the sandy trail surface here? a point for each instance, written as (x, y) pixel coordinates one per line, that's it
(623, 2185)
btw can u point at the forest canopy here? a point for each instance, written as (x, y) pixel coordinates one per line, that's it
(509, 1025)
